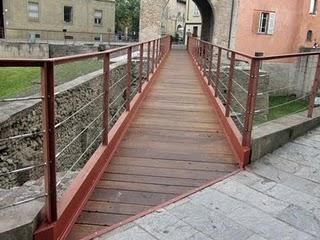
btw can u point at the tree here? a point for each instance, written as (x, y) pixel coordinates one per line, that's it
(128, 16)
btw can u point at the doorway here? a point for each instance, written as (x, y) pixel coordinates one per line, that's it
(195, 31)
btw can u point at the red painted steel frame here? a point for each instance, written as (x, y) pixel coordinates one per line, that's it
(106, 78)
(47, 89)
(234, 136)
(129, 76)
(232, 133)
(81, 188)
(315, 88)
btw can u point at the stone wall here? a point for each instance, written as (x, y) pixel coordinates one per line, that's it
(44, 50)
(21, 118)
(295, 77)
(305, 74)
(281, 75)
(23, 50)
(59, 50)
(150, 20)
(151, 12)
(239, 91)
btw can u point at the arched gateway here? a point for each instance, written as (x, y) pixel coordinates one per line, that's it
(218, 18)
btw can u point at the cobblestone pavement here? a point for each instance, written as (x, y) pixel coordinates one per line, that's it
(277, 197)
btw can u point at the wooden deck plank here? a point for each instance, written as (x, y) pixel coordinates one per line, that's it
(165, 172)
(116, 208)
(174, 144)
(177, 154)
(100, 219)
(170, 181)
(130, 197)
(82, 230)
(157, 188)
(164, 163)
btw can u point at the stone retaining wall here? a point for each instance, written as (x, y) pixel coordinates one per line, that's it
(23, 50)
(21, 118)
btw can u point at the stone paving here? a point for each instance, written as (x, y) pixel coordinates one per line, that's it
(277, 197)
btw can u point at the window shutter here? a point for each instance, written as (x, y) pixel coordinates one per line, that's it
(256, 21)
(272, 23)
(311, 9)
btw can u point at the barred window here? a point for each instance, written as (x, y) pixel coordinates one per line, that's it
(98, 17)
(33, 11)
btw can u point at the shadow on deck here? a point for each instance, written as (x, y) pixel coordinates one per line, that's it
(174, 145)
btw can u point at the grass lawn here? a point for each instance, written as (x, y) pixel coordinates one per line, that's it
(287, 109)
(20, 81)
(15, 80)
(296, 106)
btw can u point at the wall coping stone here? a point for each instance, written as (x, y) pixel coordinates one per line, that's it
(271, 135)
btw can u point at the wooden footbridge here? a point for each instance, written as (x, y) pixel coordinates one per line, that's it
(177, 135)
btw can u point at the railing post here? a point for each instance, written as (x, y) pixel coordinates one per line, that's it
(153, 55)
(188, 38)
(210, 66)
(204, 61)
(128, 91)
(148, 61)
(48, 125)
(106, 79)
(314, 90)
(218, 72)
(158, 53)
(251, 103)
(199, 54)
(140, 67)
(230, 81)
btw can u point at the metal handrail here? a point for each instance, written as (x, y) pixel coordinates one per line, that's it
(270, 57)
(158, 47)
(199, 51)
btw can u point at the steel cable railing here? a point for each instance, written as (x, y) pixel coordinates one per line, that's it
(116, 99)
(240, 82)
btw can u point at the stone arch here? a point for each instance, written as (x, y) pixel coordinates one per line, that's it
(207, 14)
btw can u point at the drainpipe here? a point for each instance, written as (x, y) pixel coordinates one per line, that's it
(231, 22)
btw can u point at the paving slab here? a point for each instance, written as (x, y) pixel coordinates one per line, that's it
(277, 197)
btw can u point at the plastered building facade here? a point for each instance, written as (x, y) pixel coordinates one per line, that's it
(86, 20)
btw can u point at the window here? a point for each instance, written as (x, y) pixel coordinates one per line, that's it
(98, 17)
(67, 14)
(313, 7)
(267, 22)
(309, 36)
(33, 11)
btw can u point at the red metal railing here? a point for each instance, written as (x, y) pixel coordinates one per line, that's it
(150, 52)
(217, 66)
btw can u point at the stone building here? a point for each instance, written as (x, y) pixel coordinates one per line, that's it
(215, 14)
(193, 20)
(268, 27)
(79, 20)
(173, 18)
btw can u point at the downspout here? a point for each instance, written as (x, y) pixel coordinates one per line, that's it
(231, 23)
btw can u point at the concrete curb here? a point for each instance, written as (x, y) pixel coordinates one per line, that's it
(272, 135)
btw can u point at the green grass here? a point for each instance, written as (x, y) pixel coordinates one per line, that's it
(15, 80)
(20, 81)
(294, 106)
